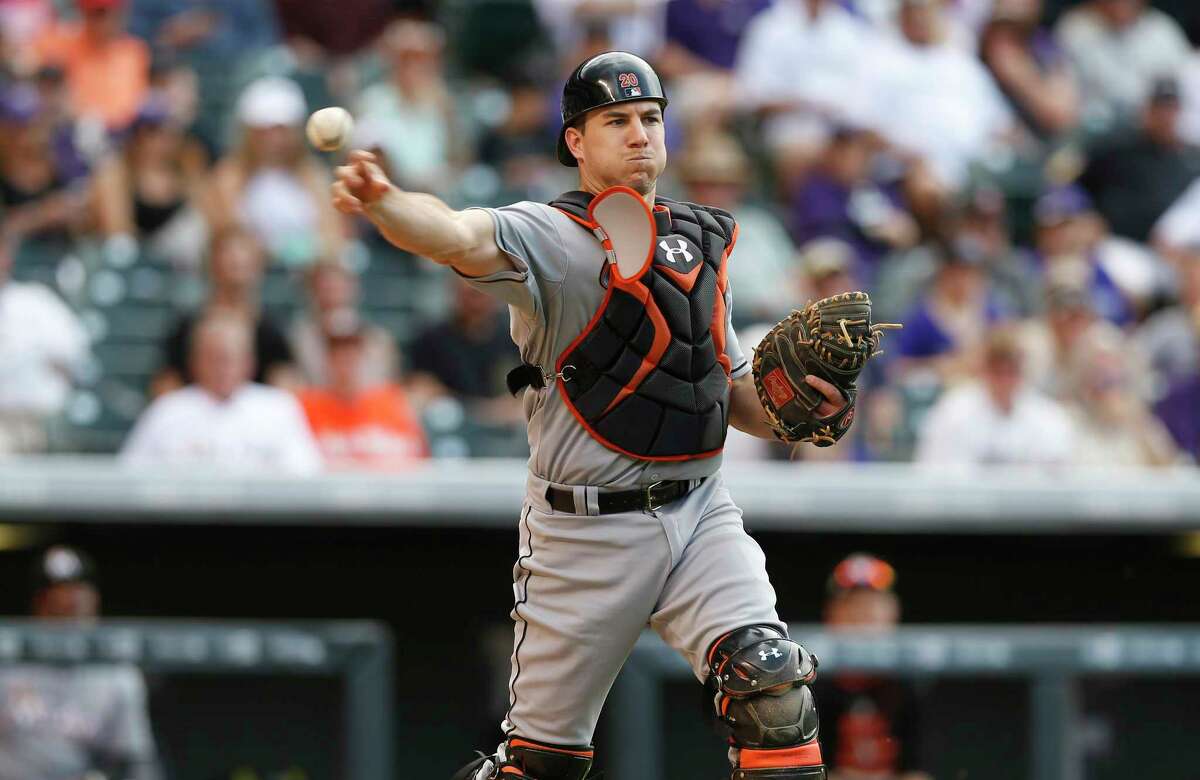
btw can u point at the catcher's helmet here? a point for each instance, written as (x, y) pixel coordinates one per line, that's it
(612, 77)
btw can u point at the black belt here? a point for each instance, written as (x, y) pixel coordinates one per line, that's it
(645, 499)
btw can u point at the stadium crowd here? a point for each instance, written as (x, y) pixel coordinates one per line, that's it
(1016, 181)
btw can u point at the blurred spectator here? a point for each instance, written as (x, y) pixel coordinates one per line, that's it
(108, 70)
(631, 25)
(149, 192)
(1179, 410)
(1135, 177)
(359, 424)
(210, 29)
(42, 343)
(943, 331)
(714, 170)
(840, 198)
(1113, 425)
(333, 290)
(981, 229)
(1120, 274)
(37, 196)
(870, 726)
(235, 269)
(519, 144)
(1169, 339)
(1030, 68)
(80, 721)
(831, 48)
(703, 35)
(223, 419)
(947, 129)
(1055, 343)
(270, 183)
(333, 28)
(468, 355)
(1118, 48)
(998, 419)
(964, 18)
(412, 110)
(827, 265)
(21, 25)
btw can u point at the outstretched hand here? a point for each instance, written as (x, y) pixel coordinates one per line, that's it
(358, 183)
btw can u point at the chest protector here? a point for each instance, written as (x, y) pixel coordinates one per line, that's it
(648, 377)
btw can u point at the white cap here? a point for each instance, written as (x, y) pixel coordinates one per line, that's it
(271, 100)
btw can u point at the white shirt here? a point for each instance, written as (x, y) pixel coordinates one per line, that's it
(258, 428)
(639, 30)
(938, 102)
(41, 341)
(1116, 67)
(965, 428)
(1179, 226)
(786, 55)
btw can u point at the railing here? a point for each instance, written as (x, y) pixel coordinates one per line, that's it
(1052, 659)
(359, 652)
(488, 493)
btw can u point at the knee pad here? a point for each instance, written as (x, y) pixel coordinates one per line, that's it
(524, 759)
(764, 702)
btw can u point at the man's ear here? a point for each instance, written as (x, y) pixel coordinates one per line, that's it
(574, 140)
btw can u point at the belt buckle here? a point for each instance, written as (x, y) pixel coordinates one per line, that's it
(650, 503)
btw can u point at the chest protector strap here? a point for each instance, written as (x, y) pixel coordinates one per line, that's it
(648, 377)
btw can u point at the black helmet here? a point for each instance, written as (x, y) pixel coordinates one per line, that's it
(612, 77)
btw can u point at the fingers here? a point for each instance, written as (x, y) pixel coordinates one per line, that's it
(833, 402)
(343, 201)
(359, 155)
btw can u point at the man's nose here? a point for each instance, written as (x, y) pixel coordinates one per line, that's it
(637, 133)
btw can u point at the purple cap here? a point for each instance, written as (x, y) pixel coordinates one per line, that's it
(1059, 204)
(153, 112)
(20, 104)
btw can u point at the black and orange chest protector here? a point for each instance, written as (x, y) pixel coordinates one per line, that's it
(648, 376)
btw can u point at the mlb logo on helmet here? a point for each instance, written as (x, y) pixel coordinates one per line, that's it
(629, 84)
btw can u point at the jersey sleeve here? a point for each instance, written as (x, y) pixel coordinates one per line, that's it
(739, 365)
(525, 232)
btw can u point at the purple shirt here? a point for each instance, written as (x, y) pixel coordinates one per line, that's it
(711, 31)
(1180, 412)
(823, 207)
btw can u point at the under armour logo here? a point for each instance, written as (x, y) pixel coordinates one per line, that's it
(671, 251)
(772, 653)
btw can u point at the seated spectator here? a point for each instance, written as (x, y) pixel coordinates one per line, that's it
(630, 25)
(980, 227)
(334, 29)
(942, 131)
(1055, 342)
(965, 19)
(943, 331)
(412, 110)
(42, 344)
(998, 419)
(841, 199)
(1135, 177)
(222, 419)
(209, 29)
(21, 25)
(1030, 67)
(831, 47)
(714, 170)
(1170, 338)
(1179, 410)
(1113, 425)
(38, 198)
(356, 424)
(827, 265)
(870, 726)
(108, 70)
(65, 720)
(270, 183)
(1120, 274)
(702, 36)
(332, 290)
(149, 192)
(520, 146)
(468, 355)
(235, 270)
(1118, 48)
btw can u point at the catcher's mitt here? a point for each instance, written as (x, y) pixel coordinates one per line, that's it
(831, 338)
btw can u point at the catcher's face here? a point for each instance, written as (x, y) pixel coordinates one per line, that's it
(621, 144)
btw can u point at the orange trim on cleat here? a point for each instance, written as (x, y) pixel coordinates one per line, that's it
(800, 756)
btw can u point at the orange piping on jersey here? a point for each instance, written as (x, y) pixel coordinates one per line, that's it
(717, 328)
(539, 746)
(804, 755)
(662, 340)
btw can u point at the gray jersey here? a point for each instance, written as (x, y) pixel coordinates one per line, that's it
(552, 296)
(60, 723)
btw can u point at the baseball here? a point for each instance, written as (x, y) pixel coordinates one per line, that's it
(329, 129)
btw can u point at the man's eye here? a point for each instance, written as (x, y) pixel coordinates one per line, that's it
(615, 122)
(653, 120)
